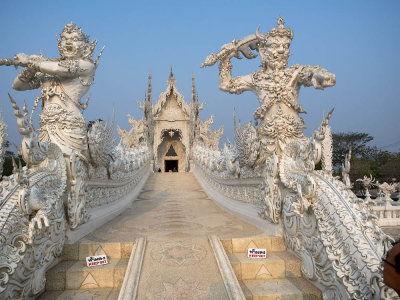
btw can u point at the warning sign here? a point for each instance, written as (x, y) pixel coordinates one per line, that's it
(256, 253)
(97, 260)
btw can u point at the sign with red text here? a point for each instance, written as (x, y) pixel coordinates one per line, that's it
(256, 253)
(97, 260)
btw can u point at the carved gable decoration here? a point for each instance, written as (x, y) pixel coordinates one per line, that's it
(171, 104)
(171, 152)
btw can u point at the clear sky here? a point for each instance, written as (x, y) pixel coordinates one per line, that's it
(356, 40)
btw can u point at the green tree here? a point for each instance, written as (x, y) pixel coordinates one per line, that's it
(343, 141)
(8, 157)
(366, 160)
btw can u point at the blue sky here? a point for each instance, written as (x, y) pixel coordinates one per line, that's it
(356, 40)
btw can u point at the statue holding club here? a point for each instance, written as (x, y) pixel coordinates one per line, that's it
(276, 85)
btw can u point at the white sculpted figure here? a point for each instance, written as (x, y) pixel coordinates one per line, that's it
(346, 170)
(136, 136)
(338, 241)
(64, 81)
(276, 86)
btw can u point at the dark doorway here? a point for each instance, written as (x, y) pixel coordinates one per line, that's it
(171, 165)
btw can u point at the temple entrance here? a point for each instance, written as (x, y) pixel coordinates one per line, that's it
(171, 153)
(171, 165)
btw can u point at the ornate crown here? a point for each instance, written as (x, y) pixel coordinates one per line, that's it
(280, 30)
(71, 28)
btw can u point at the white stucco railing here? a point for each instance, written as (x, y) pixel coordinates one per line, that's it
(388, 215)
(384, 207)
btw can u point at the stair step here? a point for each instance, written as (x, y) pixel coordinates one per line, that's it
(79, 251)
(240, 245)
(98, 294)
(70, 275)
(275, 265)
(282, 288)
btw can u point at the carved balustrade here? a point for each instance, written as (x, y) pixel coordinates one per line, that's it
(246, 190)
(383, 206)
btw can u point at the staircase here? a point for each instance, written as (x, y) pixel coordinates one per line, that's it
(276, 277)
(72, 279)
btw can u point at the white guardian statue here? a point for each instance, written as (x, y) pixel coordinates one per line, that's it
(63, 82)
(338, 241)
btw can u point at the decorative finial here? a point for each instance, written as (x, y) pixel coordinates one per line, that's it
(193, 89)
(149, 89)
(280, 23)
(171, 79)
(280, 30)
(234, 117)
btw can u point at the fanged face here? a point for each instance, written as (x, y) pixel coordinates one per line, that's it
(72, 45)
(275, 52)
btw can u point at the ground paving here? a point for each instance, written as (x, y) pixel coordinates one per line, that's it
(393, 231)
(176, 217)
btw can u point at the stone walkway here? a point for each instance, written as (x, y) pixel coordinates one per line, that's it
(176, 216)
(393, 231)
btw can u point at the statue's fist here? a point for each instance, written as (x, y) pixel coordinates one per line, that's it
(329, 79)
(21, 59)
(230, 50)
(323, 79)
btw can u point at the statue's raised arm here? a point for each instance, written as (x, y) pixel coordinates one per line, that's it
(235, 85)
(228, 84)
(74, 62)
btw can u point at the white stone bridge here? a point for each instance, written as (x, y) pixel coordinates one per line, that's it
(174, 214)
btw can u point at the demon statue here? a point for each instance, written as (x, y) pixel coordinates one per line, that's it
(338, 241)
(63, 82)
(73, 169)
(276, 87)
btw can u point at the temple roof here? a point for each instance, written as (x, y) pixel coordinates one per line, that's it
(164, 96)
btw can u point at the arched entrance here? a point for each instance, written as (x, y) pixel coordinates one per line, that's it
(171, 153)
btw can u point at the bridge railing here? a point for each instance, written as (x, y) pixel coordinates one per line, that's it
(58, 198)
(246, 190)
(328, 226)
(383, 205)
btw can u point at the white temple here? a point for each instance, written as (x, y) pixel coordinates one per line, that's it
(170, 127)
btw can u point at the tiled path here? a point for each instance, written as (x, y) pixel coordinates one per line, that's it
(176, 216)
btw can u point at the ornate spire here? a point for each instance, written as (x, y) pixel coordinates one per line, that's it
(234, 118)
(149, 90)
(171, 80)
(193, 89)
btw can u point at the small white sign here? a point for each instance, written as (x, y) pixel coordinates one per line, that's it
(256, 253)
(97, 260)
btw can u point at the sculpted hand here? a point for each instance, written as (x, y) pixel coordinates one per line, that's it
(224, 55)
(321, 80)
(36, 225)
(230, 50)
(21, 59)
